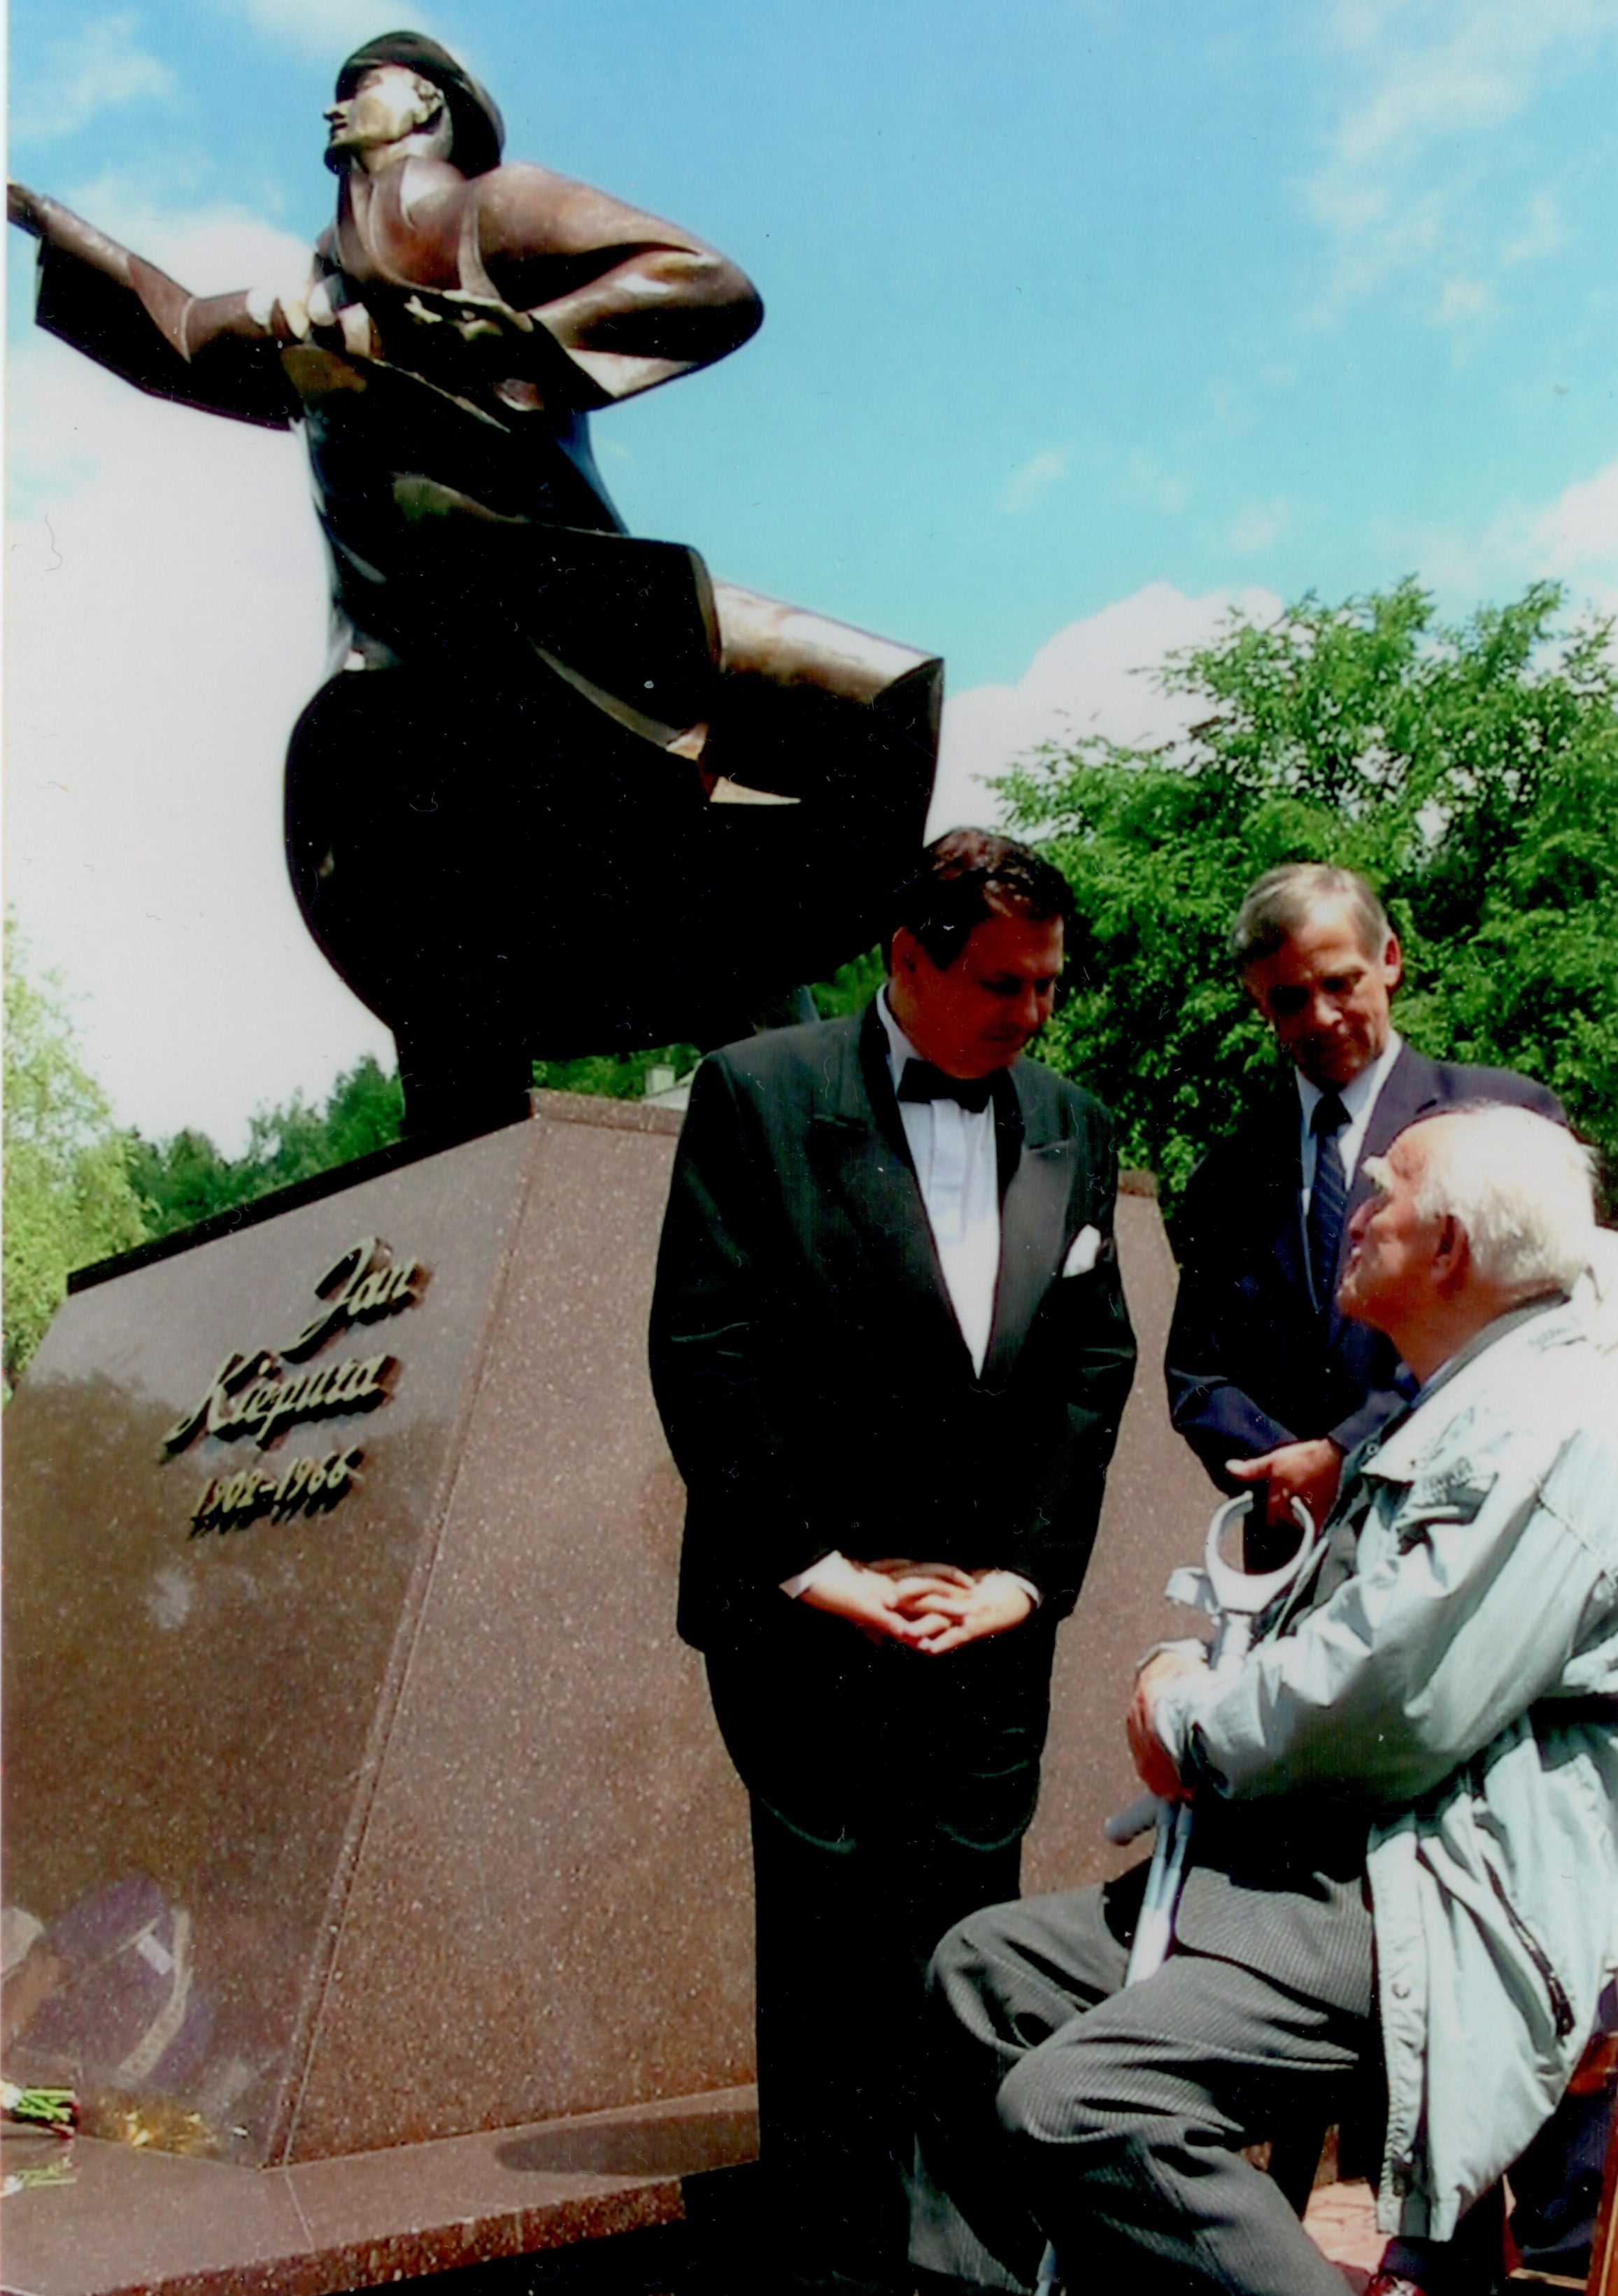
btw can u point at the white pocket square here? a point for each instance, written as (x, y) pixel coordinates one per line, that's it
(1082, 1252)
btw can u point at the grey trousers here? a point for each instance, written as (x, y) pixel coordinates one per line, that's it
(1058, 2106)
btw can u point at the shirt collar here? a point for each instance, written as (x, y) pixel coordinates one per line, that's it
(1397, 1453)
(1487, 1338)
(899, 1047)
(1361, 1091)
(1003, 1110)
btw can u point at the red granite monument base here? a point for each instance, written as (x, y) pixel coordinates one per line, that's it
(368, 1835)
(142, 2223)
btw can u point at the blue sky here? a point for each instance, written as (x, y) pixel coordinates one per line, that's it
(1083, 317)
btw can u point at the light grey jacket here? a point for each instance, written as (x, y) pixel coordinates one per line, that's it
(1464, 1683)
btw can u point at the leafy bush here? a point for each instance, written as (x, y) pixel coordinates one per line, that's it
(185, 1179)
(613, 1076)
(68, 1193)
(1470, 771)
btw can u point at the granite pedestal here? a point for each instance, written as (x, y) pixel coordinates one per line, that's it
(369, 1839)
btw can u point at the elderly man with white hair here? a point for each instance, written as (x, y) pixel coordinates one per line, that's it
(1404, 1846)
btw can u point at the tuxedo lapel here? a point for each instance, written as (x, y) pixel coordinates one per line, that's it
(1033, 1228)
(861, 1158)
(1407, 1089)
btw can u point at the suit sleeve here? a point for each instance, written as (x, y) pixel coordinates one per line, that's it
(1212, 1336)
(714, 1345)
(1381, 1404)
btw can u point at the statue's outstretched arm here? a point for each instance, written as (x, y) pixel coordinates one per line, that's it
(204, 350)
(634, 300)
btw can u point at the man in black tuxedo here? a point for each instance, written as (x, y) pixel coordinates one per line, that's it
(1268, 1381)
(890, 1348)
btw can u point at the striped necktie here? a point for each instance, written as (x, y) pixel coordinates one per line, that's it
(1327, 1198)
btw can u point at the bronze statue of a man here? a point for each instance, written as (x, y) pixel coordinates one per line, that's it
(559, 792)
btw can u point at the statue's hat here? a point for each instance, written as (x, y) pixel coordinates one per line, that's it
(474, 117)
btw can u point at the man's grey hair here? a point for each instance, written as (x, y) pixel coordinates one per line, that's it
(1283, 899)
(1522, 1187)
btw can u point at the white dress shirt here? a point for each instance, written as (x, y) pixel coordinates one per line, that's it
(956, 1164)
(1359, 1096)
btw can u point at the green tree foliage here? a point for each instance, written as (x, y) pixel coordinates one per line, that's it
(612, 1076)
(77, 1190)
(1471, 772)
(185, 1179)
(68, 1194)
(622, 1076)
(851, 986)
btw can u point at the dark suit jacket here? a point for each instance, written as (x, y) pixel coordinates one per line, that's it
(811, 1376)
(1250, 1363)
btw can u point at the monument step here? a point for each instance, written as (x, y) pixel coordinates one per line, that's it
(91, 2219)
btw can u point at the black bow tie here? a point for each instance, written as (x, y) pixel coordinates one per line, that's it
(922, 1082)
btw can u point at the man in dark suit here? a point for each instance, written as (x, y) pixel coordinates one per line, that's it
(890, 1348)
(1268, 1381)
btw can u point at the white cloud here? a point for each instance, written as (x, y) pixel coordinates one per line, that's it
(1034, 480)
(1543, 232)
(1434, 69)
(1440, 94)
(1259, 524)
(326, 29)
(166, 600)
(211, 248)
(1462, 301)
(1137, 475)
(1424, 81)
(1572, 540)
(1087, 680)
(1229, 403)
(1576, 537)
(102, 68)
(1145, 480)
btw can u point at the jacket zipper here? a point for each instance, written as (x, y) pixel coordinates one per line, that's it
(1561, 2008)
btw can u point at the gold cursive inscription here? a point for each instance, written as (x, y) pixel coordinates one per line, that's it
(358, 1288)
(248, 1396)
(231, 1502)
